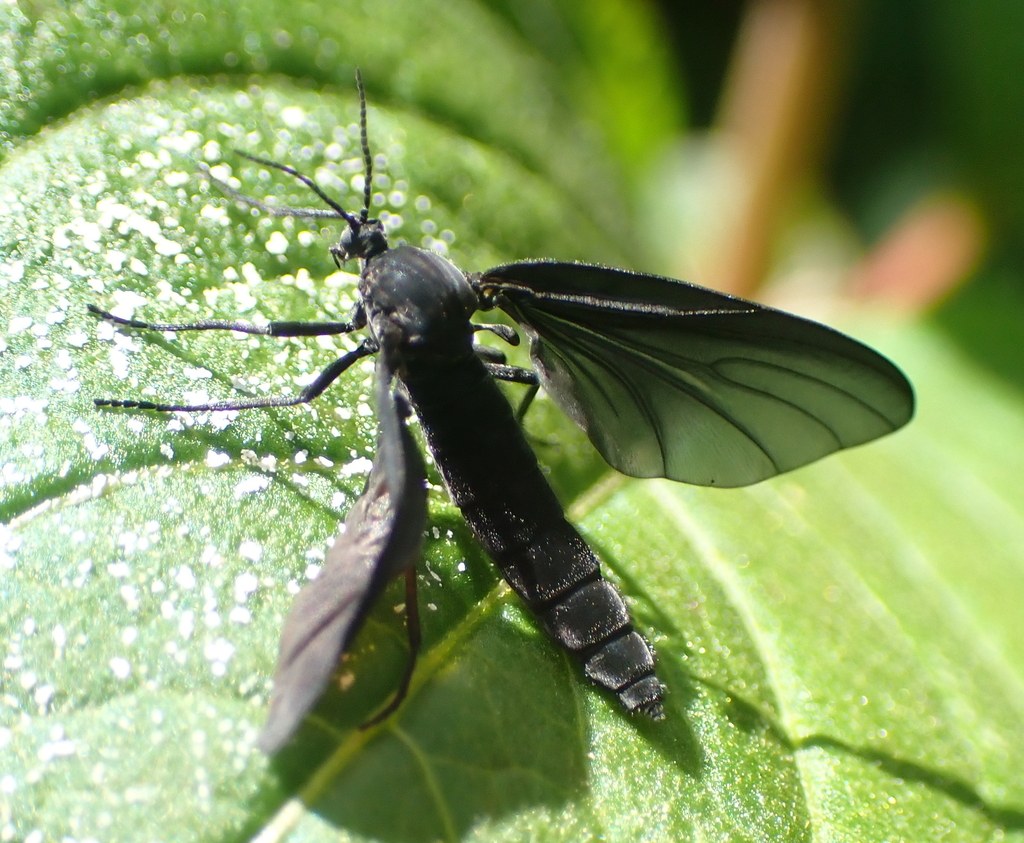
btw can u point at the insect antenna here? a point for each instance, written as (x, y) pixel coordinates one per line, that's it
(368, 178)
(306, 180)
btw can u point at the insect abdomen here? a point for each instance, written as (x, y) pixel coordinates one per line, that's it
(493, 477)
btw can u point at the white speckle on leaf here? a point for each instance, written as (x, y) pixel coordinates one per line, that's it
(217, 459)
(148, 160)
(253, 551)
(360, 465)
(293, 116)
(211, 151)
(138, 267)
(219, 652)
(127, 302)
(77, 339)
(176, 178)
(43, 695)
(245, 584)
(220, 419)
(339, 279)
(96, 450)
(12, 272)
(130, 595)
(219, 216)
(251, 485)
(167, 248)
(119, 363)
(277, 243)
(240, 615)
(187, 624)
(119, 570)
(250, 274)
(115, 259)
(57, 749)
(185, 578)
(19, 324)
(120, 667)
(62, 359)
(60, 237)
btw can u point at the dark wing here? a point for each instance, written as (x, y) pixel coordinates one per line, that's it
(673, 380)
(382, 538)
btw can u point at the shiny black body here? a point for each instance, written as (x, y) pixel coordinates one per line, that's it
(493, 475)
(667, 379)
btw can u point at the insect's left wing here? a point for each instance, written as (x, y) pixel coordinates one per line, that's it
(382, 537)
(673, 380)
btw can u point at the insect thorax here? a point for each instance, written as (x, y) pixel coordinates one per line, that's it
(420, 300)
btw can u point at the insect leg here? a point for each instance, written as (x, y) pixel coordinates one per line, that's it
(489, 354)
(271, 329)
(492, 355)
(412, 623)
(323, 380)
(505, 332)
(512, 374)
(524, 405)
(515, 374)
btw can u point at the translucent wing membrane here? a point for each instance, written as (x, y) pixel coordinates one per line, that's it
(673, 380)
(382, 538)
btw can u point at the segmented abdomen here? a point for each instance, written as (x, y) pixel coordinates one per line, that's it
(493, 477)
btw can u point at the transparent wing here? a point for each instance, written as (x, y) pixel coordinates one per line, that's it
(382, 538)
(673, 380)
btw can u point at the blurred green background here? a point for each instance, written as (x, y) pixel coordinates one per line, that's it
(922, 98)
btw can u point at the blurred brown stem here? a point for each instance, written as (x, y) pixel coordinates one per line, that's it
(772, 115)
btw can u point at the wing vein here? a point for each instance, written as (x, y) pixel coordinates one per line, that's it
(657, 368)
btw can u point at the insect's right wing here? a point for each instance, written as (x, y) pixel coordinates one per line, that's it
(382, 537)
(674, 380)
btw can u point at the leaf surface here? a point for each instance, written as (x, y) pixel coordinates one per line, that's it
(841, 645)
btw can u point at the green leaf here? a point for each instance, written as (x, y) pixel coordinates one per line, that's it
(841, 645)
